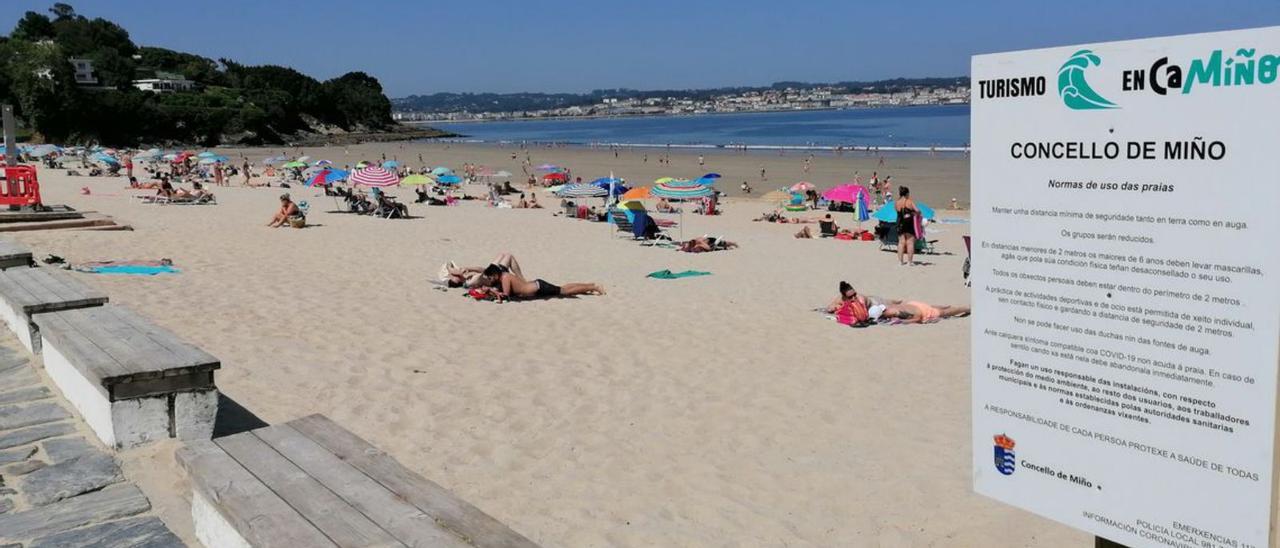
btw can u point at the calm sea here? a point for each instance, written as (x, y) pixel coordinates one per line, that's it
(906, 127)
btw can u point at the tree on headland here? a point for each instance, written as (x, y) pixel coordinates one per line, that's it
(230, 102)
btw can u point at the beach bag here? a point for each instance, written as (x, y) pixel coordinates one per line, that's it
(852, 313)
(867, 236)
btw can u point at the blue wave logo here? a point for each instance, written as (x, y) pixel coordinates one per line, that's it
(1074, 89)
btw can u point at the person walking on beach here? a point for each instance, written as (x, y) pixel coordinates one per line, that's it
(762, 176)
(908, 221)
(701, 160)
(217, 174)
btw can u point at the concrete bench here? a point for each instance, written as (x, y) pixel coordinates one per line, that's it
(132, 381)
(13, 255)
(28, 291)
(309, 482)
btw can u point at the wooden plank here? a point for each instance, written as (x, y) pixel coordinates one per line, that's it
(258, 514)
(186, 353)
(128, 347)
(86, 356)
(11, 250)
(391, 512)
(74, 293)
(344, 525)
(448, 509)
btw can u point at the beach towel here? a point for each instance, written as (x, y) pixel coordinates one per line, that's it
(129, 269)
(669, 275)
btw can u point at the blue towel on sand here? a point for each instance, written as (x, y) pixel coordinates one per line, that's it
(134, 270)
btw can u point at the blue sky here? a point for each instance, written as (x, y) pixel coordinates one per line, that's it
(418, 46)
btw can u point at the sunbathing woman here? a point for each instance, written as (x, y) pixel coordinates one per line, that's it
(920, 312)
(512, 286)
(481, 276)
(706, 244)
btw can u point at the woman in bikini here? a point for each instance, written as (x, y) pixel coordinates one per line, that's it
(907, 217)
(511, 285)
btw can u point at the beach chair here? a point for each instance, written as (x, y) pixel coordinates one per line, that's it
(887, 235)
(827, 228)
(622, 223)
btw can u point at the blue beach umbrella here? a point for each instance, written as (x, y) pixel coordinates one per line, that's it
(710, 176)
(206, 154)
(888, 214)
(105, 158)
(390, 164)
(441, 170)
(449, 179)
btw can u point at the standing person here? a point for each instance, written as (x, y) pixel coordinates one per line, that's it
(762, 177)
(247, 172)
(701, 160)
(128, 166)
(908, 220)
(217, 174)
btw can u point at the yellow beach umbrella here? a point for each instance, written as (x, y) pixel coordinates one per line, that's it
(416, 180)
(664, 180)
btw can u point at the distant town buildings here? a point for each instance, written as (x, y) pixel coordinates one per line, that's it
(817, 98)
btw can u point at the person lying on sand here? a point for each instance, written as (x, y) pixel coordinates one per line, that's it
(706, 244)
(870, 307)
(511, 286)
(287, 213)
(481, 276)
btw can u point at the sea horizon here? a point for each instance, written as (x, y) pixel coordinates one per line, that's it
(933, 128)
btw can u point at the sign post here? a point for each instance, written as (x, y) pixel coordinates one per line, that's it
(1126, 247)
(10, 136)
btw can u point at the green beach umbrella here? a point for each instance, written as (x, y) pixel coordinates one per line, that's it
(416, 180)
(295, 165)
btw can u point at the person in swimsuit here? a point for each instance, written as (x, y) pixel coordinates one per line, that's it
(907, 213)
(921, 312)
(706, 244)
(482, 276)
(511, 285)
(288, 210)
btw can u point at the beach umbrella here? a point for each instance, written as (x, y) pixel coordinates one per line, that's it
(501, 173)
(612, 185)
(170, 157)
(638, 193)
(681, 190)
(583, 191)
(374, 176)
(549, 167)
(441, 170)
(206, 154)
(847, 193)
(449, 179)
(557, 176)
(416, 180)
(554, 189)
(889, 214)
(663, 180)
(212, 159)
(710, 176)
(274, 160)
(104, 158)
(42, 150)
(327, 177)
(295, 165)
(322, 163)
(304, 159)
(362, 164)
(390, 164)
(802, 186)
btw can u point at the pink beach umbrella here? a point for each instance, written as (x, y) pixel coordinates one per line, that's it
(374, 176)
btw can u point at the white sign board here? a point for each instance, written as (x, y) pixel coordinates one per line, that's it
(1126, 247)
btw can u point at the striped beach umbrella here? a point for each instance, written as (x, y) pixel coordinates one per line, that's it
(582, 191)
(681, 190)
(374, 176)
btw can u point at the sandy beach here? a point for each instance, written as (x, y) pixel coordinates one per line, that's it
(712, 411)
